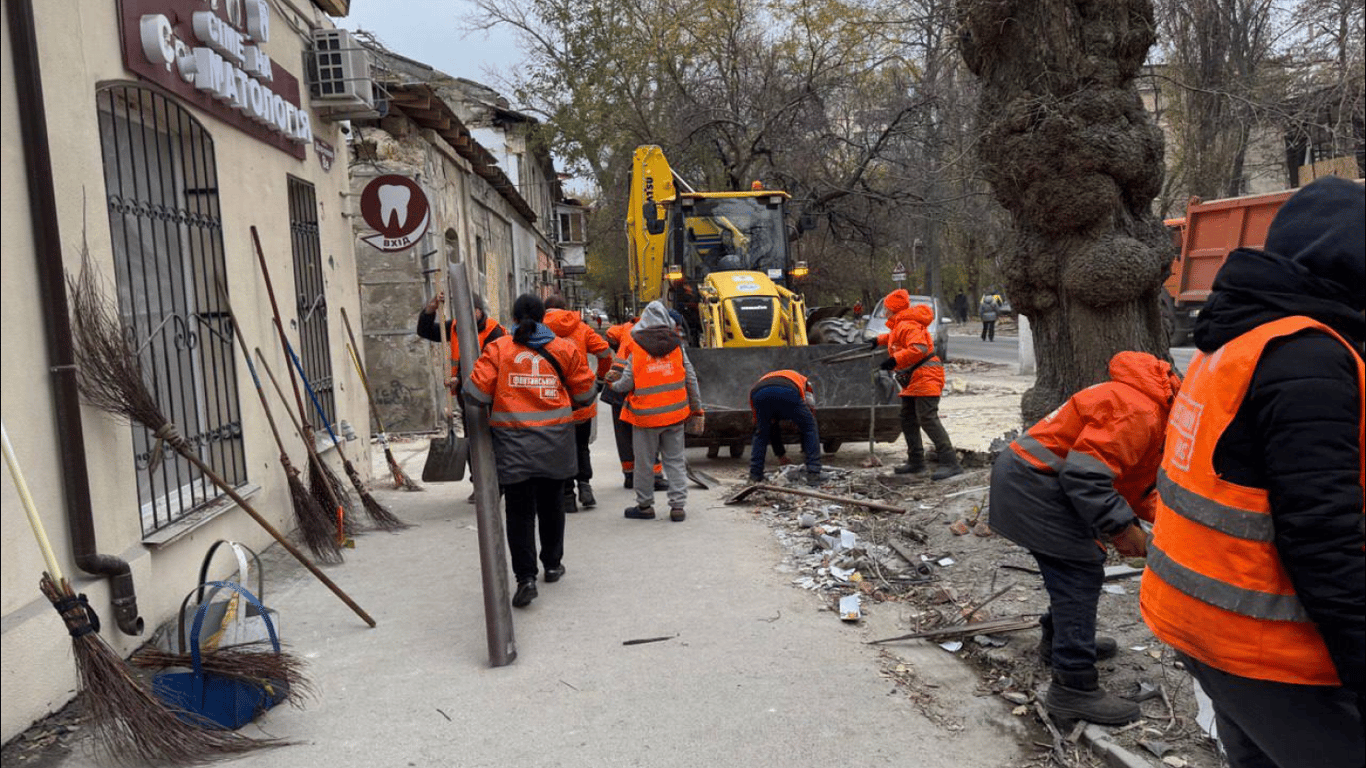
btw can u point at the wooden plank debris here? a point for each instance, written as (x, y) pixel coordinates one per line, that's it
(744, 493)
(967, 630)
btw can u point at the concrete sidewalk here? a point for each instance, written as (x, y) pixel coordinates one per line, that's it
(757, 673)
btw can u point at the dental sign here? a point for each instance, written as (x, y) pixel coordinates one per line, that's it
(209, 53)
(397, 209)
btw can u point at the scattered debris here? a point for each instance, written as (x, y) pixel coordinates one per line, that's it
(745, 492)
(1113, 572)
(959, 528)
(981, 529)
(849, 608)
(1158, 748)
(643, 640)
(965, 630)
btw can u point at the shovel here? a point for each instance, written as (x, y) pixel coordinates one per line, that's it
(704, 481)
(446, 456)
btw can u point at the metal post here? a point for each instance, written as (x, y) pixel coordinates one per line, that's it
(484, 472)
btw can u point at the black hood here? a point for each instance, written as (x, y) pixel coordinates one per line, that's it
(1314, 264)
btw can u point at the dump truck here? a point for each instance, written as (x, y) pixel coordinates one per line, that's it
(1203, 239)
(722, 259)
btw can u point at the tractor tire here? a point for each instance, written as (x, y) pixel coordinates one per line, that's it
(736, 449)
(830, 446)
(713, 451)
(834, 330)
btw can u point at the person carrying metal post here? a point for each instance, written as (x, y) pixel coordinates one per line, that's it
(1083, 474)
(1256, 568)
(775, 397)
(921, 375)
(661, 395)
(531, 382)
(570, 326)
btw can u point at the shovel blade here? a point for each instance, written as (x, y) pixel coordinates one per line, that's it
(704, 481)
(446, 458)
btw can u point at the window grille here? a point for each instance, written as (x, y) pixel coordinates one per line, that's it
(313, 348)
(161, 185)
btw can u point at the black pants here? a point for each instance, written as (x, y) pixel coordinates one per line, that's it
(527, 503)
(1073, 595)
(1278, 725)
(583, 431)
(622, 430)
(988, 330)
(919, 413)
(771, 405)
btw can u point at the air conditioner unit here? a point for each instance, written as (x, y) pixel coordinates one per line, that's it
(339, 70)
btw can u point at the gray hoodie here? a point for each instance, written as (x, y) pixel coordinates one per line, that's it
(655, 333)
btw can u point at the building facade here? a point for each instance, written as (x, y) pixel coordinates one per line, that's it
(155, 142)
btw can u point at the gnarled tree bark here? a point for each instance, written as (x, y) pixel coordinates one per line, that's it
(1071, 153)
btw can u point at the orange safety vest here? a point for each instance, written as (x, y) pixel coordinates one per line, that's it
(803, 383)
(660, 395)
(522, 388)
(1215, 587)
(489, 326)
(591, 346)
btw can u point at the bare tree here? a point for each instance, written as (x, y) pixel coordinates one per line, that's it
(1073, 156)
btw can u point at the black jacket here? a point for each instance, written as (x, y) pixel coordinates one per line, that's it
(429, 329)
(1297, 432)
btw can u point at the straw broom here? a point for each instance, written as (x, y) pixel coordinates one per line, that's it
(251, 662)
(401, 479)
(381, 517)
(314, 522)
(110, 377)
(130, 723)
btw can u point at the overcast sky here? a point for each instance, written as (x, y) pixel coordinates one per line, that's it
(431, 31)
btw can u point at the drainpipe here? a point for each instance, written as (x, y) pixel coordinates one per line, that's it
(56, 320)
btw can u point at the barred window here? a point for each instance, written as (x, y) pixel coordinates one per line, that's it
(311, 303)
(161, 184)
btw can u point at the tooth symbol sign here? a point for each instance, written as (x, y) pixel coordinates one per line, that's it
(393, 201)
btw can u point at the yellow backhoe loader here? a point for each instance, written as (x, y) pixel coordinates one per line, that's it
(722, 260)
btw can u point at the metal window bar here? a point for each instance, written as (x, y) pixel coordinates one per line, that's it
(161, 188)
(311, 295)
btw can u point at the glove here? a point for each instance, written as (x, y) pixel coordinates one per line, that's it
(888, 364)
(1131, 542)
(872, 343)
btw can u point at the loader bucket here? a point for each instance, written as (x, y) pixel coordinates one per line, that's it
(844, 392)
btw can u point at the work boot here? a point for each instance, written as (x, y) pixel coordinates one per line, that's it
(911, 467)
(640, 513)
(1078, 696)
(586, 498)
(949, 467)
(1106, 648)
(568, 502)
(553, 575)
(629, 482)
(678, 515)
(526, 592)
(755, 479)
(815, 477)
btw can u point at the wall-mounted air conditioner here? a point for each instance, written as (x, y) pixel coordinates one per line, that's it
(339, 70)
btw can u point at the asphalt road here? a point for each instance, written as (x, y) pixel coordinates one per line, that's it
(1006, 350)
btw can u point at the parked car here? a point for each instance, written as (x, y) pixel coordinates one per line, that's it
(877, 324)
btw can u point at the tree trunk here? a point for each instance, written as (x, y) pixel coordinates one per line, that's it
(1076, 160)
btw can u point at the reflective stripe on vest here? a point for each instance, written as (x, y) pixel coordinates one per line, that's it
(1215, 587)
(1036, 453)
(660, 396)
(528, 392)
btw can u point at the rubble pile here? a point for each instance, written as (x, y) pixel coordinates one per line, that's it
(952, 582)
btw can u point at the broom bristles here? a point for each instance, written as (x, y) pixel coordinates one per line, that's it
(131, 725)
(315, 525)
(381, 517)
(321, 478)
(248, 661)
(401, 480)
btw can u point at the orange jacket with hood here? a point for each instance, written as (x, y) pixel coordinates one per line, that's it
(910, 344)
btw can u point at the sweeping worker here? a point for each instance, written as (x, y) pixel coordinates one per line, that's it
(661, 394)
(1256, 568)
(783, 396)
(570, 326)
(921, 374)
(619, 341)
(531, 382)
(1083, 474)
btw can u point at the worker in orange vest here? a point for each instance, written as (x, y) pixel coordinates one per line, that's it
(531, 382)
(1082, 474)
(921, 375)
(619, 340)
(1256, 568)
(569, 325)
(783, 396)
(661, 394)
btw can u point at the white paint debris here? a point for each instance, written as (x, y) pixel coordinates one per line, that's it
(849, 608)
(952, 646)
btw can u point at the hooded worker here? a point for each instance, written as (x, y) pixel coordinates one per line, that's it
(1256, 567)
(570, 326)
(921, 374)
(1084, 473)
(661, 394)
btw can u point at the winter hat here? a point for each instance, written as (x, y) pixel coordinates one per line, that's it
(1322, 228)
(897, 301)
